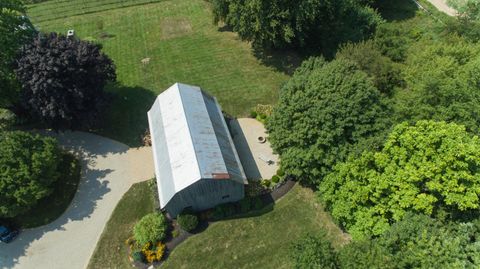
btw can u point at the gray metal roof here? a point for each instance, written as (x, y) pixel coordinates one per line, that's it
(190, 141)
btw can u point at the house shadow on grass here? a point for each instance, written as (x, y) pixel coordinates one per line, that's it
(126, 118)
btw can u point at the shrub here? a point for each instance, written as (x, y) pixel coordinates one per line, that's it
(266, 183)
(29, 166)
(275, 179)
(253, 114)
(187, 221)
(313, 252)
(280, 172)
(151, 228)
(138, 256)
(245, 205)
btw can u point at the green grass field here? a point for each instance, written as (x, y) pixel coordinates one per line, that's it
(183, 46)
(261, 241)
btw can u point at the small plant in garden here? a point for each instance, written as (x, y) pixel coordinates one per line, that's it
(280, 172)
(275, 179)
(187, 221)
(151, 228)
(266, 183)
(175, 233)
(138, 256)
(253, 114)
(153, 252)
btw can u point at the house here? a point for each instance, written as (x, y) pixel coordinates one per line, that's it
(196, 163)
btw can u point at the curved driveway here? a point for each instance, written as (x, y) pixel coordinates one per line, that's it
(109, 168)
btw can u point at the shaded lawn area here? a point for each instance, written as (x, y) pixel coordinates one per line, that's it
(183, 46)
(111, 251)
(51, 207)
(259, 241)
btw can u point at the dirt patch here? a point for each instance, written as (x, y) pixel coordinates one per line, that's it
(175, 27)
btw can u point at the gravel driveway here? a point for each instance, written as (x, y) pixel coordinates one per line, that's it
(109, 168)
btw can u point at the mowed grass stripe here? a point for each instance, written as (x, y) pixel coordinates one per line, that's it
(53, 10)
(183, 46)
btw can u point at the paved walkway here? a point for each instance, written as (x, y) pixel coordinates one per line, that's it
(442, 6)
(253, 154)
(109, 168)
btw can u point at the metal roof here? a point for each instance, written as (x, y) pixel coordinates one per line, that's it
(190, 141)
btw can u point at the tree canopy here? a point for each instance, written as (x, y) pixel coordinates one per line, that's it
(324, 110)
(280, 23)
(28, 168)
(63, 80)
(424, 168)
(15, 30)
(313, 252)
(443, 84)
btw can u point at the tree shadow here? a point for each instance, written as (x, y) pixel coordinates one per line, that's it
(91, 189)
(283, 60)
(126, 118)
(394, 10)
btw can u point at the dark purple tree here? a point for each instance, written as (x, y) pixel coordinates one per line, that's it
(63, 80)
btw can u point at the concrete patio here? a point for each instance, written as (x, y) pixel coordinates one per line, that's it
(252, 153)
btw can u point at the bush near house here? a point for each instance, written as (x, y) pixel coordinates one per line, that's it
(150, 229)
(187, 221)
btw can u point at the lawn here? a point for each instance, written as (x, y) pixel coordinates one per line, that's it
(261, 241)
(111, 250)
(51, 207)
(183, 46)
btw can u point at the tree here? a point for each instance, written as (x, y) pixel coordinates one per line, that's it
(424, 168)
(151, 228)
(298, 24)
(419, 241)
(313, 252)
(325, 111)
(385, 74)
(443, 84)
(62, 80)
(364, 255)
(15, 31)
(28, 168)
(467, 9)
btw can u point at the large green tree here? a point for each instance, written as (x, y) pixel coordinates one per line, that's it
(326, 111)
(427, 168)
(15, 30)
(28, 168)
(442, 83)
(281, 23)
